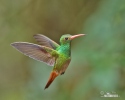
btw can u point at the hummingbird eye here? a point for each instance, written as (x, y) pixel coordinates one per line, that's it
(66, 38)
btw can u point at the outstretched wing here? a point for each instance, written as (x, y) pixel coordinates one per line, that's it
(35, 51)
(45, 41)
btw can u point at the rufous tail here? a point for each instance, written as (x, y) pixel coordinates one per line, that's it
(53, 75)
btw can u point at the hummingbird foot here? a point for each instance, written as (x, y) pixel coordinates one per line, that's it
(53, 75)
(62, 73)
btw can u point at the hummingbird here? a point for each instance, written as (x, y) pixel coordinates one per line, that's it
(49, 52)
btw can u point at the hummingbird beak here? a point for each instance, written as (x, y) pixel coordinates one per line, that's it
(75, 36)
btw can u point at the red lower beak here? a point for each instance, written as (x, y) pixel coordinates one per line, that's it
(75, 36)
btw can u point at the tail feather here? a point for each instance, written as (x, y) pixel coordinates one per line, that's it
(53, 75)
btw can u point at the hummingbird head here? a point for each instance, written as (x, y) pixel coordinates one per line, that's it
(67, 38)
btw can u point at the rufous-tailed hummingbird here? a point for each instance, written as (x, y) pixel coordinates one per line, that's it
(49, 52)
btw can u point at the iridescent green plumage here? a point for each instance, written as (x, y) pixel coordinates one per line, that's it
(49, 52)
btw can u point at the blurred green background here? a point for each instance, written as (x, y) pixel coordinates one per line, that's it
(98, 59)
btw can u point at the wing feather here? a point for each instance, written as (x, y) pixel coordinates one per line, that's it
(35, 51)
(43, 40)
